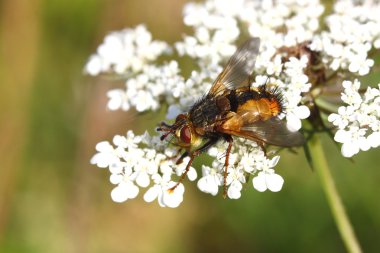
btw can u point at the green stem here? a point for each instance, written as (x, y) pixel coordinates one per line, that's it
(340, 216)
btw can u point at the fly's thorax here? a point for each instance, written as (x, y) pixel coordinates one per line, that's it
(207, 110)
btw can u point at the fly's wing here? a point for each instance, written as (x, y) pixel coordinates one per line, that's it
(272, 131)
(238, 69)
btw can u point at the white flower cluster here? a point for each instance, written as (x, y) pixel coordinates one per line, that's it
(215, 31)
(135, 162)
(217, 25)
(359, 122)
(125, 51)
(353, 30)
(145, 90)
(213, 19)
(278, 23)
(139, 161)
(282, 23)
(144, 161)
(246, 159)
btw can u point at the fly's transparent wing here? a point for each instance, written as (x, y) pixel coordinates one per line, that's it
(272, 131)
(238, 69)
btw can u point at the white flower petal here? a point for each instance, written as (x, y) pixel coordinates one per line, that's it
(341, 136)
(115, 99)
(124, 191)
(133, 190)
(374, 139)
(116, 178)
(143, 179)
(259, 182)
(116, 167)
(274, 161)
(104, 146)
(349, 149)
(173, 198)
(293, 122)
(152, 193)
(94, 65)
(209, 184)
(119, 194)
(192, 174)
(302, 112)
(234, 190)
(274, 182)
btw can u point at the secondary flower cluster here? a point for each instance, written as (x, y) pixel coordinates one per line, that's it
(359, 121)
(297, 54)
(125, 51)
(145, 88)
(353, 30)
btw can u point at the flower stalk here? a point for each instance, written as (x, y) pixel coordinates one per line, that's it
(337, 208)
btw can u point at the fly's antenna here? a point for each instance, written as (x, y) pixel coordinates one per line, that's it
(163, 137)
(167, 129)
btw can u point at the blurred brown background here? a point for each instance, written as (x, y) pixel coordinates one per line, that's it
(52, 116)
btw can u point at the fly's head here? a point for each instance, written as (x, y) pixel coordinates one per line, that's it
(183, 132)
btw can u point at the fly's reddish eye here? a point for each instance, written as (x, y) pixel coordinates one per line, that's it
(185, 134)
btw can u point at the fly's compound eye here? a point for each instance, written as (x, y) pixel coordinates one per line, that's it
(185, 134)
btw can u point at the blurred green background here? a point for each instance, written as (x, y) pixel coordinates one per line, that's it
(52, 116)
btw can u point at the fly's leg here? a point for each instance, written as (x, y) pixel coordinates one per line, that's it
(192, 156)
(179, 161)
(230, 140)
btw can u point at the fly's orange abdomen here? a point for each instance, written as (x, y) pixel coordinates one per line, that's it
(271, 106)
(262, 109)
(262, 103)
